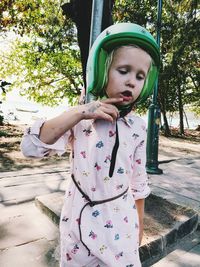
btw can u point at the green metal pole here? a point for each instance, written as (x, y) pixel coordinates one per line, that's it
(154, 117)
(96, 21)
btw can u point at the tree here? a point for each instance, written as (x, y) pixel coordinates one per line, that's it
(50, 59)
(45, 58)
(179, 56)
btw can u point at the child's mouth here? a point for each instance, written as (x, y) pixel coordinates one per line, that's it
(126, 95)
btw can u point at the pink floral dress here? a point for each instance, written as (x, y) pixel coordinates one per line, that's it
(109, 232)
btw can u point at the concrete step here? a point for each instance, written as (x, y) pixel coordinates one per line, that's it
(27, 237)
(51, 205)
(27, 186)
(185, 254)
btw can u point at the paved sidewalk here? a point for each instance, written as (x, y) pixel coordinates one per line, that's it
(28, 237)
(180, 183)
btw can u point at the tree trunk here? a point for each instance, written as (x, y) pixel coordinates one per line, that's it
(166, 128)
(180, 107)
(80, 12)
(162, 104)
(186, 118)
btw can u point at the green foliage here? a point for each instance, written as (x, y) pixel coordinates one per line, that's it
(179, 55)
(43, 74)
(45, 64)
(142, 12)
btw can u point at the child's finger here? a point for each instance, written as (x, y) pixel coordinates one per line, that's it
(105, 116)
(101, 110)
(110, 110)
(111, 103)
(112, 100)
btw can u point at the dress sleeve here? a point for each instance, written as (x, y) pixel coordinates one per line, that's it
(139, 182)
(32, 146)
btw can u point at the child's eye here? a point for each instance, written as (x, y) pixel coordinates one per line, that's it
(140, 77)
(122, 71)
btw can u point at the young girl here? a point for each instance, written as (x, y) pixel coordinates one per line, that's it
(102, 217)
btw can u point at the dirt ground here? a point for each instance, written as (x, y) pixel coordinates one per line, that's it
(160, 216)
(11, 158)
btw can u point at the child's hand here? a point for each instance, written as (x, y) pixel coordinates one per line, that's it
(104, 109)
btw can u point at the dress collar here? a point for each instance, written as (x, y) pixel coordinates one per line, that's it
(128, 120)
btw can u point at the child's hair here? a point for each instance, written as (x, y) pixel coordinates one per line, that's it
(112, 53)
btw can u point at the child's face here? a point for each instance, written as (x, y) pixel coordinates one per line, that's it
(127, 73)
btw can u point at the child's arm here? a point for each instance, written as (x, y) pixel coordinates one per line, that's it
(139, 182)
(140, 209)
(53, 129)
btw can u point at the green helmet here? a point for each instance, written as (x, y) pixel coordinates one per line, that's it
(111, 38)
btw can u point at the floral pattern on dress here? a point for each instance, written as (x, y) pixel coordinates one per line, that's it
(109, 230)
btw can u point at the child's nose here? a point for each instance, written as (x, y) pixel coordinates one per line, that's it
(131, 81)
